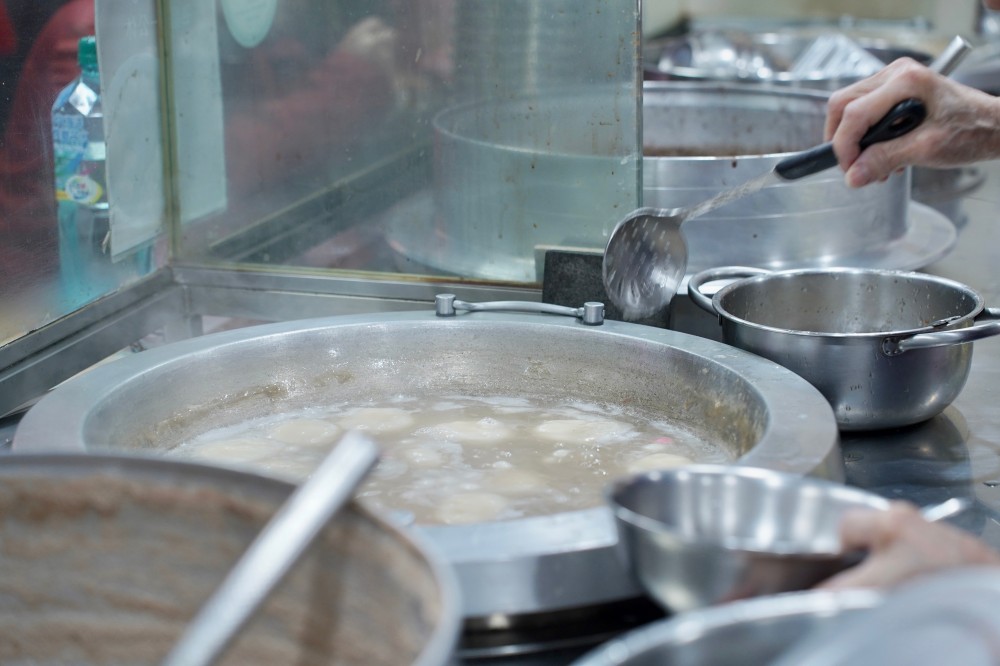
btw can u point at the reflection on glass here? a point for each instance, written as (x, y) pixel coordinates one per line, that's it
(47, 271)
(443, 137)
(313, 100)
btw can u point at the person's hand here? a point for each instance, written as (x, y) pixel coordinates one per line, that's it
(962, 125)
(901, 544)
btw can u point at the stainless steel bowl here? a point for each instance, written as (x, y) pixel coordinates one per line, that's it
(705, 534)
(763, 414)
(107, 558)
(946, 617)
(748, 633)
(886, 348)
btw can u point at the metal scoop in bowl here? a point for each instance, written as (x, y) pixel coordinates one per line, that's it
(646, 256)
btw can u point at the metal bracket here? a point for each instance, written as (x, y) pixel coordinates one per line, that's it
(592, 313)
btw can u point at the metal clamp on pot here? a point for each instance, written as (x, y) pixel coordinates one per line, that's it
(592, 312)
(845, 330)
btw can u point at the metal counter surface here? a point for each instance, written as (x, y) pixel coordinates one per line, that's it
(956, 454)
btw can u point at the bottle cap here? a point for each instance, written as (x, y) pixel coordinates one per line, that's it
(87, 53)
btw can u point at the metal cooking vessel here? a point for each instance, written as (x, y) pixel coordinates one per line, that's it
(764, 414)
(700, 138)
(758, 57)
(749, 633)
(106, 558)
(516, 174)
(886, 348)
(514, 178)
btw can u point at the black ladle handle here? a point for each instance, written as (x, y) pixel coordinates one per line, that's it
(902, 118)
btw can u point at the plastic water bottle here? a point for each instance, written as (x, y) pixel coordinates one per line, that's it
(86, 269)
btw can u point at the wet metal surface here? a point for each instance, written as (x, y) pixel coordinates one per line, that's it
(956, 454)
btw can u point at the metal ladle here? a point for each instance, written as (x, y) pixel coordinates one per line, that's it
(274, 552)
(646, 257)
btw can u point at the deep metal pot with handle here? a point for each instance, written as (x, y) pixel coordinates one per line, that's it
(886, 348)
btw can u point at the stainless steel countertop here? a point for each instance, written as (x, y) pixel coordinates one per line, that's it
(958, 452)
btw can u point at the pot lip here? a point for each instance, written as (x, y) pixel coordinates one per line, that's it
(735, 88)
(741, 283)
(443, 120)
(655, 92)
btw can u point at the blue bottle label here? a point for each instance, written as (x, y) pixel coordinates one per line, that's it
(69, 143)
(82, 189)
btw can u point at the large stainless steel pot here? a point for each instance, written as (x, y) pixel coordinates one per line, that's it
(886, 348)
(700, 138)
(107, 558)
(514, 178)
(764, 414)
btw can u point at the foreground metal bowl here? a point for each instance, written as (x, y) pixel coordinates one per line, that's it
(886, 348)
(945, 617)
(748, 633)
(107, 558)
(763, 414)
(700, 535)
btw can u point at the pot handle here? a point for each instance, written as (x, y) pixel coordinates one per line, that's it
(986, 324)
(592, 313)
(698, 280)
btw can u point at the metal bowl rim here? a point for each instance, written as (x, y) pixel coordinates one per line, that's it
(741, 283)
(780, 549)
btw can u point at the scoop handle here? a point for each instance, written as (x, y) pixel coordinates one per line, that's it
(901, 119)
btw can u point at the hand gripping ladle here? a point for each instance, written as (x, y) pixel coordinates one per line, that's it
(646, 257)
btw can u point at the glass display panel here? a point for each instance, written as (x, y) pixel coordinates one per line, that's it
(81, 168)
(456, 138)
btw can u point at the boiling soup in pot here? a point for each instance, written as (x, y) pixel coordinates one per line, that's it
(466, 459)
